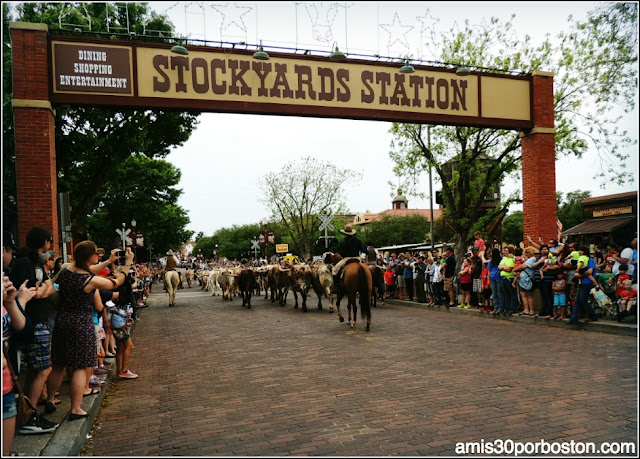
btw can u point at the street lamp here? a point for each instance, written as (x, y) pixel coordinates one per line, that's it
(124, 243)
(135, 240)
(265, 222)
(430, 187)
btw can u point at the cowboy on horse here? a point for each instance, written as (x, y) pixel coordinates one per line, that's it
(350, 247)
(170, 263)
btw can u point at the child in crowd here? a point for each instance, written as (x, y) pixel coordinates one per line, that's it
(583, 263)
(466, 283)
(390, 281)
(608, 281)
(479, 241)
(622, 276)
(627, 296)
(485, 276)
(559, 296)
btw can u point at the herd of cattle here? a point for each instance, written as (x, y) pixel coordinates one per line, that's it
(246, 281)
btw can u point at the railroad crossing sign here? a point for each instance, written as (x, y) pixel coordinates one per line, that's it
(326, 226)
(123, 235)
(255, 246)
(326, 223)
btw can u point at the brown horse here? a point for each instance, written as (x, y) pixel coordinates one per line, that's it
(377, 277)
(356, 281)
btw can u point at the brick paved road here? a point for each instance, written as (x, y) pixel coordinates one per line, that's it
(216, 379)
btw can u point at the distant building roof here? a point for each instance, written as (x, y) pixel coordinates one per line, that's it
(368, 218)
(610, 197)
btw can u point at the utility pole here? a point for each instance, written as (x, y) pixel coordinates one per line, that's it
(430, 186)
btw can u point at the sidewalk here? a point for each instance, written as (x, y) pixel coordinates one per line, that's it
(69, 438)
(628, 326)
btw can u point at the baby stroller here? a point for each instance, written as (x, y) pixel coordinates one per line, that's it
(603, 304)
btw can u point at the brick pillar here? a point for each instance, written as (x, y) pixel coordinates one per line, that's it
(34, 119)
(539, 206)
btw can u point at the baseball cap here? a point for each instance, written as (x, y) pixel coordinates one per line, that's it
(8, 241)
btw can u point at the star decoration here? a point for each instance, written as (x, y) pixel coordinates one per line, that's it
(71, 11)
(322, 17)
(397, 32)
(428, 28)
(428, 22)
(232, 16)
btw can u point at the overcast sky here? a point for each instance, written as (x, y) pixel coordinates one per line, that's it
(227, 155)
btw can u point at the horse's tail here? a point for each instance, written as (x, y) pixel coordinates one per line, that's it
(365, 293)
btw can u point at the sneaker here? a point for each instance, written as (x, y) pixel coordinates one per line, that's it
(102, 370)
(127, 374)
(34, 427)
(460, 306)
(467, 306)
(96, 382)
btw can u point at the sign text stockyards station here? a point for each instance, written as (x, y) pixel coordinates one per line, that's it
(223, 80)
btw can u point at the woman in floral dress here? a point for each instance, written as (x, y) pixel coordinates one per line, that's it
(73, 340)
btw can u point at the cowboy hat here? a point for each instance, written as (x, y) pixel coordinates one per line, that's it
(348, 230)
(170, 252)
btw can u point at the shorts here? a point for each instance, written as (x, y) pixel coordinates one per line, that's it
(448, 284)
(123, 333)
(477, 285)
(38, 351)
(401, 282)
(9, 409)
(560, 300)
(466, 286)
(390, 287)
(98, 340)
(486, 292)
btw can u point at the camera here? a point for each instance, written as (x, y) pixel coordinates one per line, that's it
(121, 257)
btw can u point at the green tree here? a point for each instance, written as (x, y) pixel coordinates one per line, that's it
(205, 245)
(234, 243)
(143, 189)
(602, 46)
(595, 84)
(394, 230)
(569, 208)
(92, 142)
(299, 192)
(512, 232)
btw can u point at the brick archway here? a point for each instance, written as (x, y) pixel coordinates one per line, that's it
(34, 117)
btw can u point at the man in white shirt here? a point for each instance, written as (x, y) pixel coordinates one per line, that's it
(626, 254)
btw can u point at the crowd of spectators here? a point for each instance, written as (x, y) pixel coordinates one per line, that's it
(65, 319)
(505, 281)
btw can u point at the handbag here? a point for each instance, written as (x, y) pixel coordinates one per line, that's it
(525, 283)
(26, 410)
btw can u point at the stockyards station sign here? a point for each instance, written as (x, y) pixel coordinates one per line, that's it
(144, 74)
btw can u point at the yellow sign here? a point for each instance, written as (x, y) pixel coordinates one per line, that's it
(225, 76)
(282, 248)
(614, 211)
(224, 80)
